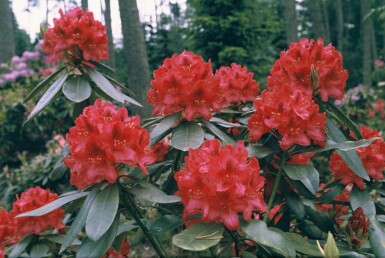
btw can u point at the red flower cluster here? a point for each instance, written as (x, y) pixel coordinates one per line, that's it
(357, 229)
(236, 84)
(294, 67)
(185, 83)
(293, 114)
(373, 158)
(30, 200)
(76, 35)
(103, 137)
(7, 229)
(220, 182)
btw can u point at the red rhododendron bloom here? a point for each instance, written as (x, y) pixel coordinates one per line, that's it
(160, 149)
(76, 35)
(220, 182)
(102, 138)
(185, 83)
(123, 253)
(373, 158)
(294, 67)
(236, 83)
(357, 229)
(7, 229)
(30, 200)
(294, 115)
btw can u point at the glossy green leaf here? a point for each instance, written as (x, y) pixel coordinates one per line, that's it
(80, 220)
(104, 84)
(115, 82)
(53, 205)
(77, 89)
(128, 226)
(295, 205)
(199, 237)
(187, 135)
(58, 171)
(361, 198)
(43, 84)
(21, 246)
(165, 224)
(103, 67)
(257, 231)
(302, 245)
(39, 250)
(220, 134)
(48, 96)
(224, 123)
(149, 192)
(102, 212)
(377, 237)
(59, 239)
(350, 157)
(307, 174)
(90, 248)
(259, 150)
(164, 127)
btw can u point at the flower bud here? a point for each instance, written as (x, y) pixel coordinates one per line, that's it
(357, 229)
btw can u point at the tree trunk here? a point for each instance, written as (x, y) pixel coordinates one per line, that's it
(291, 21)
(340, 25)
(84, 4)
(318, 24)
(366, 44)
(7, 40)
(107, 19)
(135, 54)
(326, 21)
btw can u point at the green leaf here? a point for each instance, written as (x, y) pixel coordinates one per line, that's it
(106, 86)
(44, 83)
(361, 198)
(187, 135)
(103, 67)
(115, 82)
(295, 205)
(77, 89)
(128, 226)
(164, 127)
(53, 205)
(246, 254)
(90, 248)
(149, 192)
(199, 237)
(307, 174)
(329, 196)
(302, 245)
(48, 96)
(350, 157)
(59, 239)
(80, 220)
(102, 212)
(320, 219)
(330, 248)
(39, 250)
(342, 118)
(259, 151)
(165, 224)
(221, 135)
(21, 246)
(224, 123)
(377, 238)
(58, 171)
(257, 231)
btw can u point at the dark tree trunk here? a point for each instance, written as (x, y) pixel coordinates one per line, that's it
(107, 19)
(84, 4)
(340, 25)
(326, 20)
(7, 40)
(318, 24)
(291, 21)
(366, 44)
(135, 54)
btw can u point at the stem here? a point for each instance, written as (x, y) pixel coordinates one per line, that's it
(275, 189)
(130, 206)
(236, 242)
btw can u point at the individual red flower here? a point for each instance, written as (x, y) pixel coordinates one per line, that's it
(104, 137)
(220, 182)
(372, 157)
(123, 253)
(295, 65)
(185, 83)
(236, 83)
(335, 210)
(294, 115)
(76, 36)
(32, 199)
(7, 229)
(357, 229)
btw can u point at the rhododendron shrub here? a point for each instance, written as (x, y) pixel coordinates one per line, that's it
(220, 182)
(103, 138)
(222, 169)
